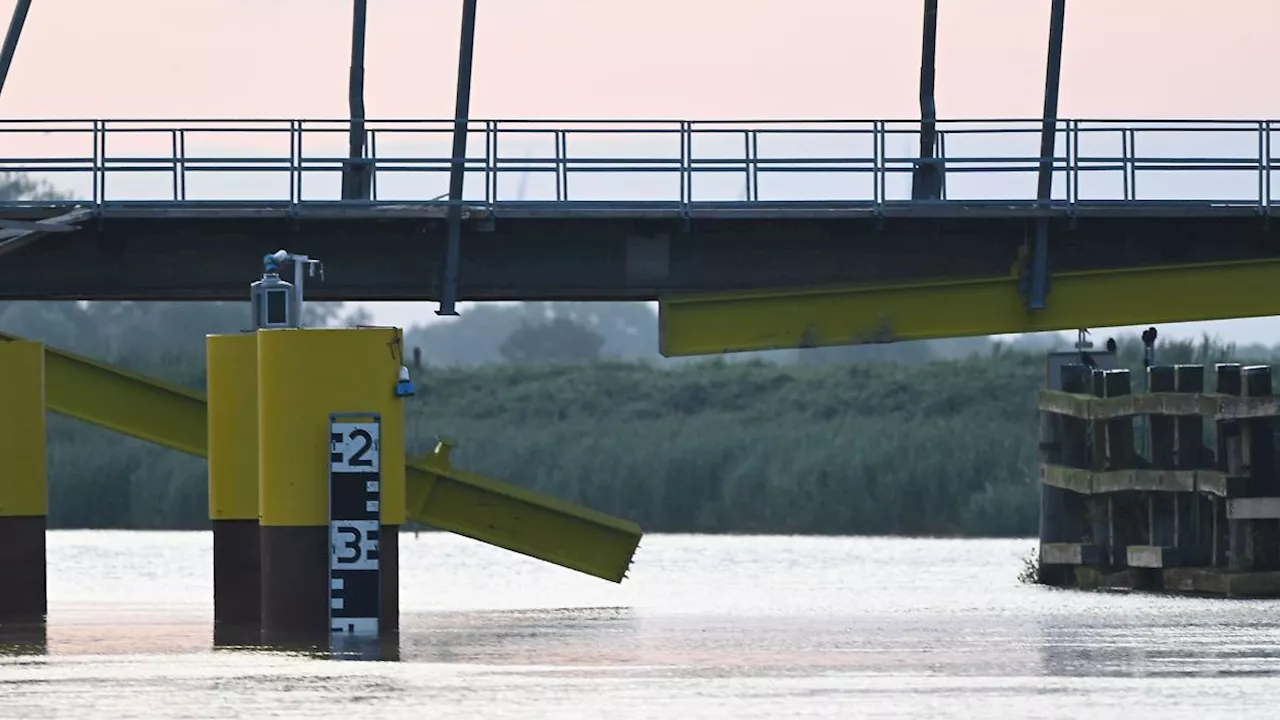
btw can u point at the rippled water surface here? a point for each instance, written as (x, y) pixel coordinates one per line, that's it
(714, 627)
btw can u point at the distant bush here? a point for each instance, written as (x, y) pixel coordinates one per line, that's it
(935, 447)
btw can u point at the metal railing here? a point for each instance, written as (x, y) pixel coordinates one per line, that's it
(653, 163)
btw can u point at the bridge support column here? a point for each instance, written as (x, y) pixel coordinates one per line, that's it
(23, 485)
(304, 377)
(232, 390)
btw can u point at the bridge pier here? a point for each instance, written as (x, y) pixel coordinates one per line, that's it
(23, 484)
(305, 377)
(1179, 518)
(309, 375)
(232, 390)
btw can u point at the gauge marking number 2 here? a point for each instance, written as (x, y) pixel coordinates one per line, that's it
(354, 447)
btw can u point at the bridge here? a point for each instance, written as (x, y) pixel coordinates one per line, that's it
(752, 234)
(632, 210)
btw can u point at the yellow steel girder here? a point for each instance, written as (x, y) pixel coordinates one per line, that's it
(451, 499)
(437, 494)
(852, 315)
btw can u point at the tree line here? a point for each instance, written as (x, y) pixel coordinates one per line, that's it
(934, 447)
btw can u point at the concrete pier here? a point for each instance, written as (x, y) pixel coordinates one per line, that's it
(23, 484)
(232, 389)
(304, 377)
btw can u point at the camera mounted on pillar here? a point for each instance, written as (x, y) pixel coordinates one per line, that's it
(277, 303)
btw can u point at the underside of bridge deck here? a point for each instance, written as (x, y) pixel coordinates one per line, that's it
(595, 256)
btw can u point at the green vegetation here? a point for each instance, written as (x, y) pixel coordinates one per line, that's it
(924, 438)
(849, 446)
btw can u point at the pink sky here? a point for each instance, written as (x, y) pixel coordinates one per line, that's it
(645, 58)
(631, 58)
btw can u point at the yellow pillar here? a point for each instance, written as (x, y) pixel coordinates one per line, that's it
(232, 391)
(23, 484)
(304, 376)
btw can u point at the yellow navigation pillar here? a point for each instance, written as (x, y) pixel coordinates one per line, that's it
(23, 484)
(232, 390)
(306, 376)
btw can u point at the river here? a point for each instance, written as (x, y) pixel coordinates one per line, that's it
(706, 627)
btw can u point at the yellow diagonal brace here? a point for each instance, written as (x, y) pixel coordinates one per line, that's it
(438, 494)
(851, 315)
(123, 401)
(576, 537)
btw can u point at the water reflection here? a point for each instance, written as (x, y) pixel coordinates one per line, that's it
(24, 639)
(1166, 637)
(557, 636)
(713, 627)
(385, 648)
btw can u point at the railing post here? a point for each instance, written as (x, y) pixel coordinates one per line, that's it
(491, 162)
(1266, 161)
(557, 137)
(1262, 167)
(755, 166)
(373, 165)
(182, 164)
(102, 177)
(295, 162)
(1132, 164)
(942, 157)
(686, 166)
(95, 173)
(173, 137)
(1074, 172)
(877, 168)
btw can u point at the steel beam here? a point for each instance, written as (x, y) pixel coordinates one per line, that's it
(1039, 258)
(778, 319)
(19, 19)
(138, 406)
(519, 520)
(444, 497)
(457, 168)
(926, 181)
(356, 176)
(17, 234)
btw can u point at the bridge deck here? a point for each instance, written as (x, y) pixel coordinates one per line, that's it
(618, 210)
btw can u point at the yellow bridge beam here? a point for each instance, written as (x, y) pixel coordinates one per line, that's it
(123, 401)
(438, 495)
(853, 315)
(451, 499)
